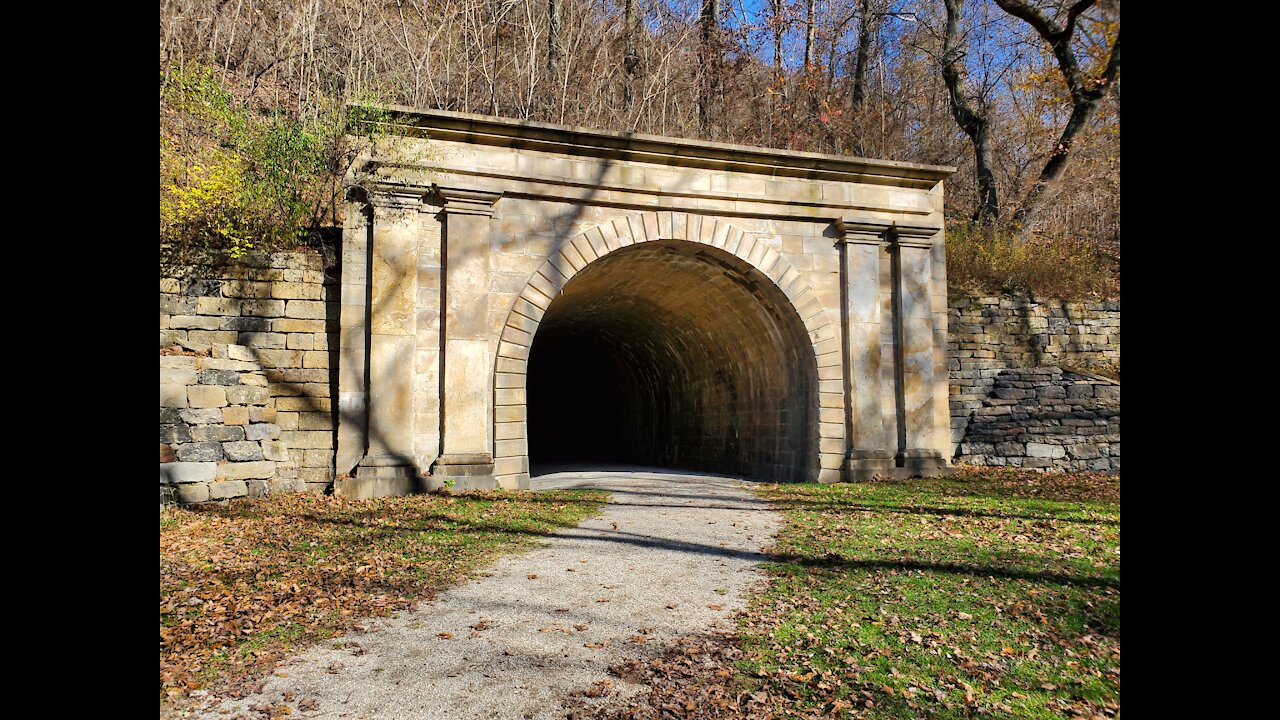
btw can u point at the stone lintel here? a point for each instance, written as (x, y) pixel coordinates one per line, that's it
(466, 201)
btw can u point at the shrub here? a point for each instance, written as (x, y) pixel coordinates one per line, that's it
(993, 260)
(236, 180)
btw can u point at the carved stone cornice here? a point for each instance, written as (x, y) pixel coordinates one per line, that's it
(917, 236)
(444, 125)
(891, 234)
(395, 196)
(466, 201)
(860, 232)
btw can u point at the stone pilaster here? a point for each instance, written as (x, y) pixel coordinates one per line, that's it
(353, 320)
(870, 449)
(911, 248)
(466, 452)
(388, 467)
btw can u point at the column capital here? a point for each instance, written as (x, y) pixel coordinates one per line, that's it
(466, 201)
(874, 232)
(861, 232)
(395, 196)
(920, 236)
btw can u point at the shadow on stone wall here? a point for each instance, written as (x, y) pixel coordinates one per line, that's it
(1048, 419)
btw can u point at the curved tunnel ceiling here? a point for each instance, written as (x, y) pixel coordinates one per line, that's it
(674, 354)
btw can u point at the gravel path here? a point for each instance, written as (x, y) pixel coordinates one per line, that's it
(672, 554)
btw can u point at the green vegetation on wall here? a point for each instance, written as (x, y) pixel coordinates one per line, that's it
(239, 176)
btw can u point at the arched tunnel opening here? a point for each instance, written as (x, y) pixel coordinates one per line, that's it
(674, 354)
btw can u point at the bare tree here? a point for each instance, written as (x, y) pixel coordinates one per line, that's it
(810, 69)
(630, 56)
(968, 114)
(1086, 91)
(710, 70)
(555, 50)
(680, 67)
(868, 23)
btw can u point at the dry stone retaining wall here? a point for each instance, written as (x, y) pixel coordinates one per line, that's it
(988, 335)
(1046, 418)
(218, 433)
(274, 325)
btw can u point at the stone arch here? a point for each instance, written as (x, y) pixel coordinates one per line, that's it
(511, 444)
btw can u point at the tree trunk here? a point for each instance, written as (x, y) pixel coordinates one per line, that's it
(811, 88)
(1086, 92)
(555, 54)
(630, 56)
(971, 121)
(867, 26)
(710, 23)
(808, 35)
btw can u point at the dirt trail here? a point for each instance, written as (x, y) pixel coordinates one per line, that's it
(671, 554)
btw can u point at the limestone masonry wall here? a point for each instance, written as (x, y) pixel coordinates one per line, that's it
(268, 337)
(218, 434)
(248, 409)
(1046, 418)
(988, 335)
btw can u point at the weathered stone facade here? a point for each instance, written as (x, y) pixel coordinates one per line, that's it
(274, 325)
(821, 279)
(532, 291)
(1046, 418)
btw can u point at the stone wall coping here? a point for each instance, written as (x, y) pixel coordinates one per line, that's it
(639, 147)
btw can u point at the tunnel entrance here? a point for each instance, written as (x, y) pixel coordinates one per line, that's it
(674, 354)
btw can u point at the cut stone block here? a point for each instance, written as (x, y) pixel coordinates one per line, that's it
(178, 473)
(206, 396)
(200, 452)
(242, 451)
(227, 489)
(262, 469)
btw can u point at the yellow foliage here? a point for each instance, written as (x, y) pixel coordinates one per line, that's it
(208, 204)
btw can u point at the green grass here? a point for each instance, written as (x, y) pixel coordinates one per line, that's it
(995, 594)
(245, 584)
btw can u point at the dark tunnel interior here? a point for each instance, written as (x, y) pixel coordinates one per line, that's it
(673, 354)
